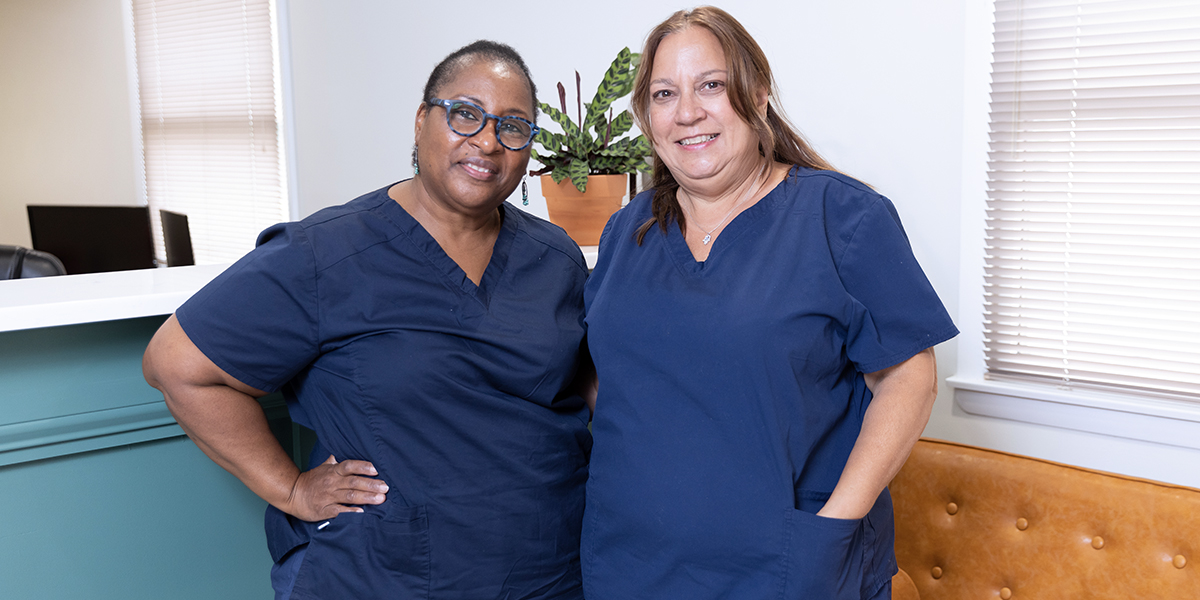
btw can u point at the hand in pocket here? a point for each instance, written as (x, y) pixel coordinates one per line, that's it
(824, 557)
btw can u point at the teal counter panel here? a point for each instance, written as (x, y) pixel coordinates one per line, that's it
(77, 388)
(74, 369)
(102, 494)
(149, 520)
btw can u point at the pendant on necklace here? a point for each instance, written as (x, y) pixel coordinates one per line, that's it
(707, 239)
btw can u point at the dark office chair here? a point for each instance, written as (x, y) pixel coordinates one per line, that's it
(177, 238)
(17, 262)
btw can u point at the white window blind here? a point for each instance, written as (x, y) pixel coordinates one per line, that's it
(1093, 219)
(208, 82)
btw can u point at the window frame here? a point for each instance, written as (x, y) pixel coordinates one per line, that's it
(285, 125)
(1161, 421)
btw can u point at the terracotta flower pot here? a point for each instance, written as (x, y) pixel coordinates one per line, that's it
(583, 215)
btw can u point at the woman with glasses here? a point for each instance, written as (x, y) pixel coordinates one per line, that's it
(430, 334)
(763, 338)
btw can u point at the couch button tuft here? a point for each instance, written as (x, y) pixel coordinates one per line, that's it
(1097, 542)
(1022, 524)
(952, 508)
(1005, 593)
(1179, 561)
(936, 572)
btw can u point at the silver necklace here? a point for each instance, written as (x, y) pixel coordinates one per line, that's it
(708, 234)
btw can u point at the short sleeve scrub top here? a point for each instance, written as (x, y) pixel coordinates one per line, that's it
(731, 393)
(456, 392)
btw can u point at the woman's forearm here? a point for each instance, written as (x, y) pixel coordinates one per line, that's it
(232, 430)
(903, 397)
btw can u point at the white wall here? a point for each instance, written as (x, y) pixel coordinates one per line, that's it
(66, 129)
(877, 86)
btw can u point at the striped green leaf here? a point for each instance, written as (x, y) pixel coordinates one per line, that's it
(621, 124)
(554, 143)
(559, 173)
(638, 164)
(568, 126)
(640, 146)
(600, 127)
(578, 172)
(617, 82)
(619, 148)
(553, 161)
(606, 163)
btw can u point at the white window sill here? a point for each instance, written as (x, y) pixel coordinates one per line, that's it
(1174, 423)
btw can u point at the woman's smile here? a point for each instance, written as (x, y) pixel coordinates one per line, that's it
(481, 169)
(698, 142)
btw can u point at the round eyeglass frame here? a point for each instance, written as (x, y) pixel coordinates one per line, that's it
(449, 104)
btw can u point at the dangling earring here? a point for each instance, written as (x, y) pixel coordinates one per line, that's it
(416, 166)
(524, 193)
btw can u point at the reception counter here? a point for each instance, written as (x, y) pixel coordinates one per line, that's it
(75, 299)
(103, 494)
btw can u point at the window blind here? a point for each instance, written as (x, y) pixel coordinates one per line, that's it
(208, 84)
(1092, 274)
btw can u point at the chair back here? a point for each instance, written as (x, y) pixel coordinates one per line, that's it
(17, 262)
(177, 238)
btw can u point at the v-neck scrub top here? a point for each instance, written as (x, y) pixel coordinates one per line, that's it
(731, 393)
(457, 394)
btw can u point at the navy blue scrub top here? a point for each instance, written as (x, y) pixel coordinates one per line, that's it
(456, 392)
(731, 393)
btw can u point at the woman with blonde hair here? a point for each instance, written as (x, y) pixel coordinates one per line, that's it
(763, 341)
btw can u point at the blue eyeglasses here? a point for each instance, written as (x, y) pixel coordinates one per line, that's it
(467, 119)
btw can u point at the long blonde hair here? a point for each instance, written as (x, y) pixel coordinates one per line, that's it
(749, 74)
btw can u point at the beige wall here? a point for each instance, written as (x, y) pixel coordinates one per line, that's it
(66, 132)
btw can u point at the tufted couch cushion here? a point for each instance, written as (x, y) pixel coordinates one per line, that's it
(903, 587)
(976, 524)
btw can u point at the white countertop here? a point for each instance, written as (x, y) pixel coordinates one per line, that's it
(74, 299)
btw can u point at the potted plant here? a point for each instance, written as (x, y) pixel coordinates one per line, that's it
(586, 167)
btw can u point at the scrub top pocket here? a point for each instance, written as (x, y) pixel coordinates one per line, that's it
(365, 556)
(823, 557)
(398, 545)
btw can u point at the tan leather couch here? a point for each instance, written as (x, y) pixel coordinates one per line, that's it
(979, 524)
